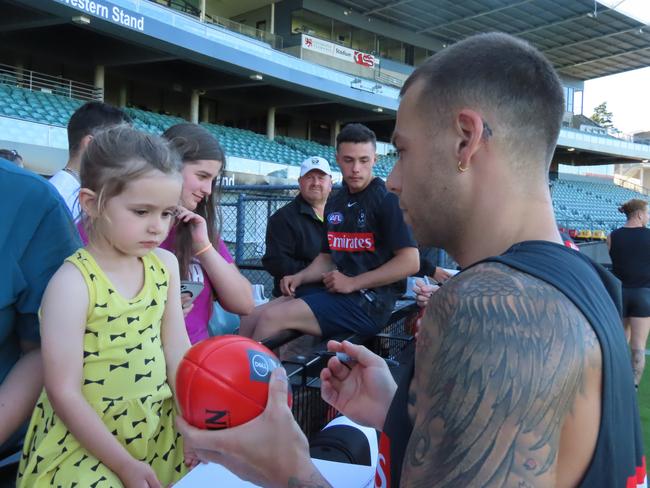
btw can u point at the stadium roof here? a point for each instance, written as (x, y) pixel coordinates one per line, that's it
(582, 38)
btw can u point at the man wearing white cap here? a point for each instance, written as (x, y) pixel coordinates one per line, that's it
(295, 232)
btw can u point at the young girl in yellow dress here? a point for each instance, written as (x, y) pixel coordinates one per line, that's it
(112, 330)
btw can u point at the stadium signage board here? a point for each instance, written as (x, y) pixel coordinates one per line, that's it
(106, 11)
(315, 44)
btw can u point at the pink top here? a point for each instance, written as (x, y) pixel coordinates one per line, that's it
(196, 322)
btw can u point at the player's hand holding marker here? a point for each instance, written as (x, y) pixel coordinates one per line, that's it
(424, 289)
(362, 388)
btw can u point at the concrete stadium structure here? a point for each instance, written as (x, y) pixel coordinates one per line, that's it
(297, 69)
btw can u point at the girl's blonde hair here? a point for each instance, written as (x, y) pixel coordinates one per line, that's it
(632, 206)
(118, 156)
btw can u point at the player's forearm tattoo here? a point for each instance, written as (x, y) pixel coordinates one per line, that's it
(496, 383)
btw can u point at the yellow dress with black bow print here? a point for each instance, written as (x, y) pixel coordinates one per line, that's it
(124, 380)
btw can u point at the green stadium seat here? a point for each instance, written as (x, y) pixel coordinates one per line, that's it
(590, 206)
(56, 109)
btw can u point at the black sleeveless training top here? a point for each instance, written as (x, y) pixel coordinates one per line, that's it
(618, 460)
(630, 253)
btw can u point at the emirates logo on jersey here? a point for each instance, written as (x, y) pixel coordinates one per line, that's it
(382, 474)
(351, 241)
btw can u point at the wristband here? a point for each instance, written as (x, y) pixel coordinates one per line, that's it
(204, 250)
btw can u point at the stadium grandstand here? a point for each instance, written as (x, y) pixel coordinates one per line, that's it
(275, 81)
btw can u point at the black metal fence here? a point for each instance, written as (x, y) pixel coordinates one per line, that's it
(245, 211)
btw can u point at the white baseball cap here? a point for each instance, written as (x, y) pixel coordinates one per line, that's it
(315, 162)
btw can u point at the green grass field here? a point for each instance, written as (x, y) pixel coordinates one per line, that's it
(644, 405)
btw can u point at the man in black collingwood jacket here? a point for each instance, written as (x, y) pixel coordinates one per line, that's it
(294, 233)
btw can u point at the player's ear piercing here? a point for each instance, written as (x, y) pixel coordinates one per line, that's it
(460, 167)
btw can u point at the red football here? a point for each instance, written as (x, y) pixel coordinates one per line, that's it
(224, 381)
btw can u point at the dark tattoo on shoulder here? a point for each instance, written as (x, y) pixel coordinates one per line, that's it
(496, 383)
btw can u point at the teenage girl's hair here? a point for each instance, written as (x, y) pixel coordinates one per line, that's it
(632, 206)
(120, 155)
(194, 143)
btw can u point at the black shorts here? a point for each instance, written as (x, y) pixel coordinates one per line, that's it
(352, 312)
(636, 302)
(308, 289)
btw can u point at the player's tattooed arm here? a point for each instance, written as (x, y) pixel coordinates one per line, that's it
(500, 359)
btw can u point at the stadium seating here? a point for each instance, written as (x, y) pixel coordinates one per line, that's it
(248, 144)
(311, 148)
(590, 208)
(384, 165)
(152, 122)
(53, 109)
(586, 209)
(36, 106)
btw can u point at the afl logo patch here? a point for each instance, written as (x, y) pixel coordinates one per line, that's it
(335, 218)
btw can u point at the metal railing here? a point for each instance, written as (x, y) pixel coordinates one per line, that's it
(625, 183)
(273, 40)
(180, 5)
(387, 79)
(184, 6)
(245, 211)
(40, 82)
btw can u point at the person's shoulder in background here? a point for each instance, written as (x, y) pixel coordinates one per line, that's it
(20, 185)
(29, 202)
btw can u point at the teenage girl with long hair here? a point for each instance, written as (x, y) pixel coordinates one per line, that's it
(195, 240)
